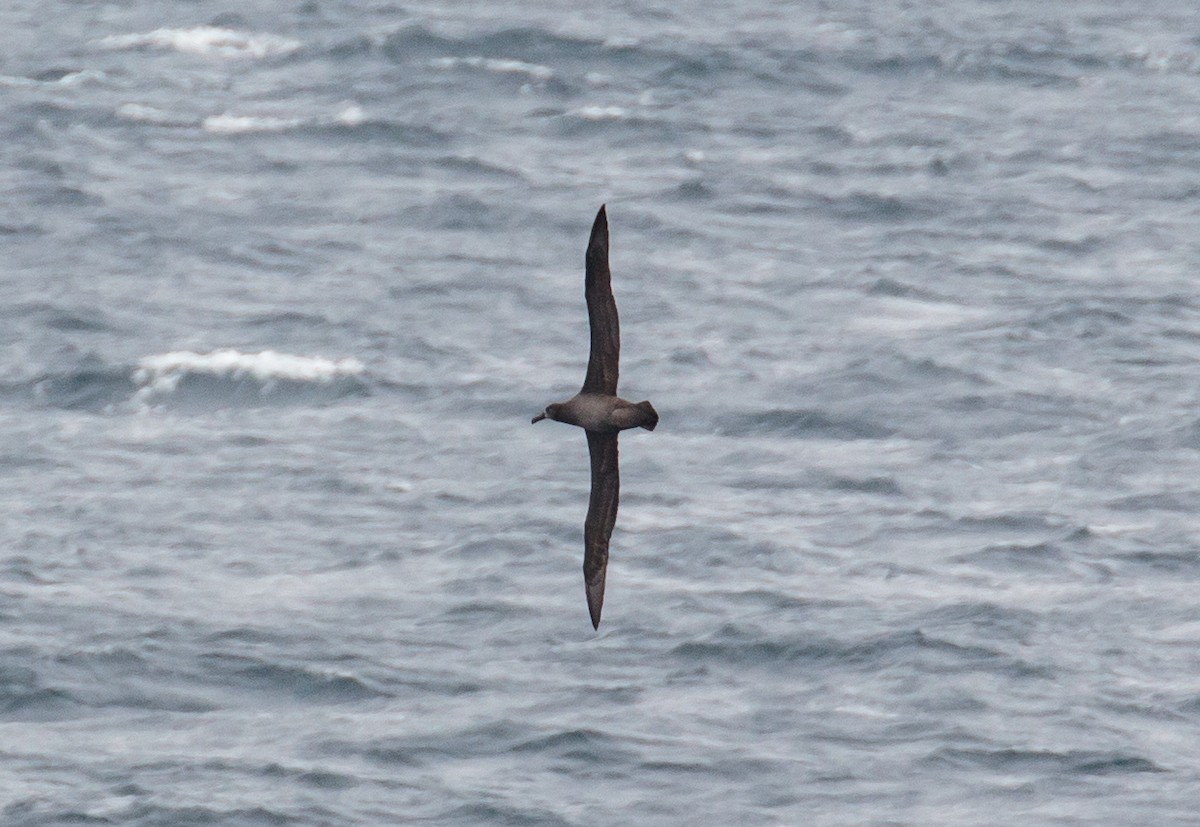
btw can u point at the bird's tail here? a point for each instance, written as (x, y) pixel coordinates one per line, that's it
(651, 416)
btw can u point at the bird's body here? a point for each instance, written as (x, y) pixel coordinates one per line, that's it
(602, 414)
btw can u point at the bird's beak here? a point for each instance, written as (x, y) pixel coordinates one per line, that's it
(538, 419)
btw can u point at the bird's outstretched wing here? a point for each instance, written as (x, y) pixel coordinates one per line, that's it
(601, 516)
(602, 314)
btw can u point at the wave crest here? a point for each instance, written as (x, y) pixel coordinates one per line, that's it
(206, 40)
(196, 381)
(231, 377)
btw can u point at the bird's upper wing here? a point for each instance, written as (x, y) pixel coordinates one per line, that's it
(602, 314)
(601, 516)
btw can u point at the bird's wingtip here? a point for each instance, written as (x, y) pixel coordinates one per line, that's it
(597, 251)
(601, 222)
(595, 601)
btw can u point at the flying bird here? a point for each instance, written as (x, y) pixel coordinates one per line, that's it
(601, 413)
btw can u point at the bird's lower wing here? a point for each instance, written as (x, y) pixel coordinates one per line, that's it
(601, 516)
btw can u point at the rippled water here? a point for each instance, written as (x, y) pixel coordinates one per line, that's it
(913, 289)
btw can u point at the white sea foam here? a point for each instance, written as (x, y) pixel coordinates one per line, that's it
(264, 365)
(149, 114)
(159, 376)
(1165, 60)
(601, 113)
(534, 71)
(228, 124)
(207, 40)
(901, 317)
(351, 115)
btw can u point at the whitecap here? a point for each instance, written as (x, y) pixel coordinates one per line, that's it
(601, 113)
(351, 115)
(230, 375)
(534, 71)
(207, 40)
(899, 316)
(228, 124)
(149, 114)
(264, 365)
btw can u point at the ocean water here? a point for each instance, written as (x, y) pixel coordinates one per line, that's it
(913, 287)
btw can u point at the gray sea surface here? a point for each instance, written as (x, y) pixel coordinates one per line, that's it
(912, 285)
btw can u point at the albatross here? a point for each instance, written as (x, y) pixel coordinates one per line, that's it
(601, 413)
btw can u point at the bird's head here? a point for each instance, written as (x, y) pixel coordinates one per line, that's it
(551, 412)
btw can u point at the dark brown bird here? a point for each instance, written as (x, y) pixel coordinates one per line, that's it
(601, 413)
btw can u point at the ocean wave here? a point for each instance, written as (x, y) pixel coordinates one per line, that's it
(232, 377)
(1163, 61)
(544, 54)
(1050, 61)
(227, 123)
(141, 113)
(206, 40)
(65, 316)
(35, 811)
(874, 206)
(820, 480)
(185, 380)
(533, 51)
(534, 71)
(747, 646)
(1041, 762)
(597, 119)
(307, 683)
(1053, 62)
(90, 386)
(531, 45)
(57, 77)
(24, 696)
(349, 115)
(803, 424)
(600, 113)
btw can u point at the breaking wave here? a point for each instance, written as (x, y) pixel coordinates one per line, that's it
(230, 377)
(215, 41)
(186, 380)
